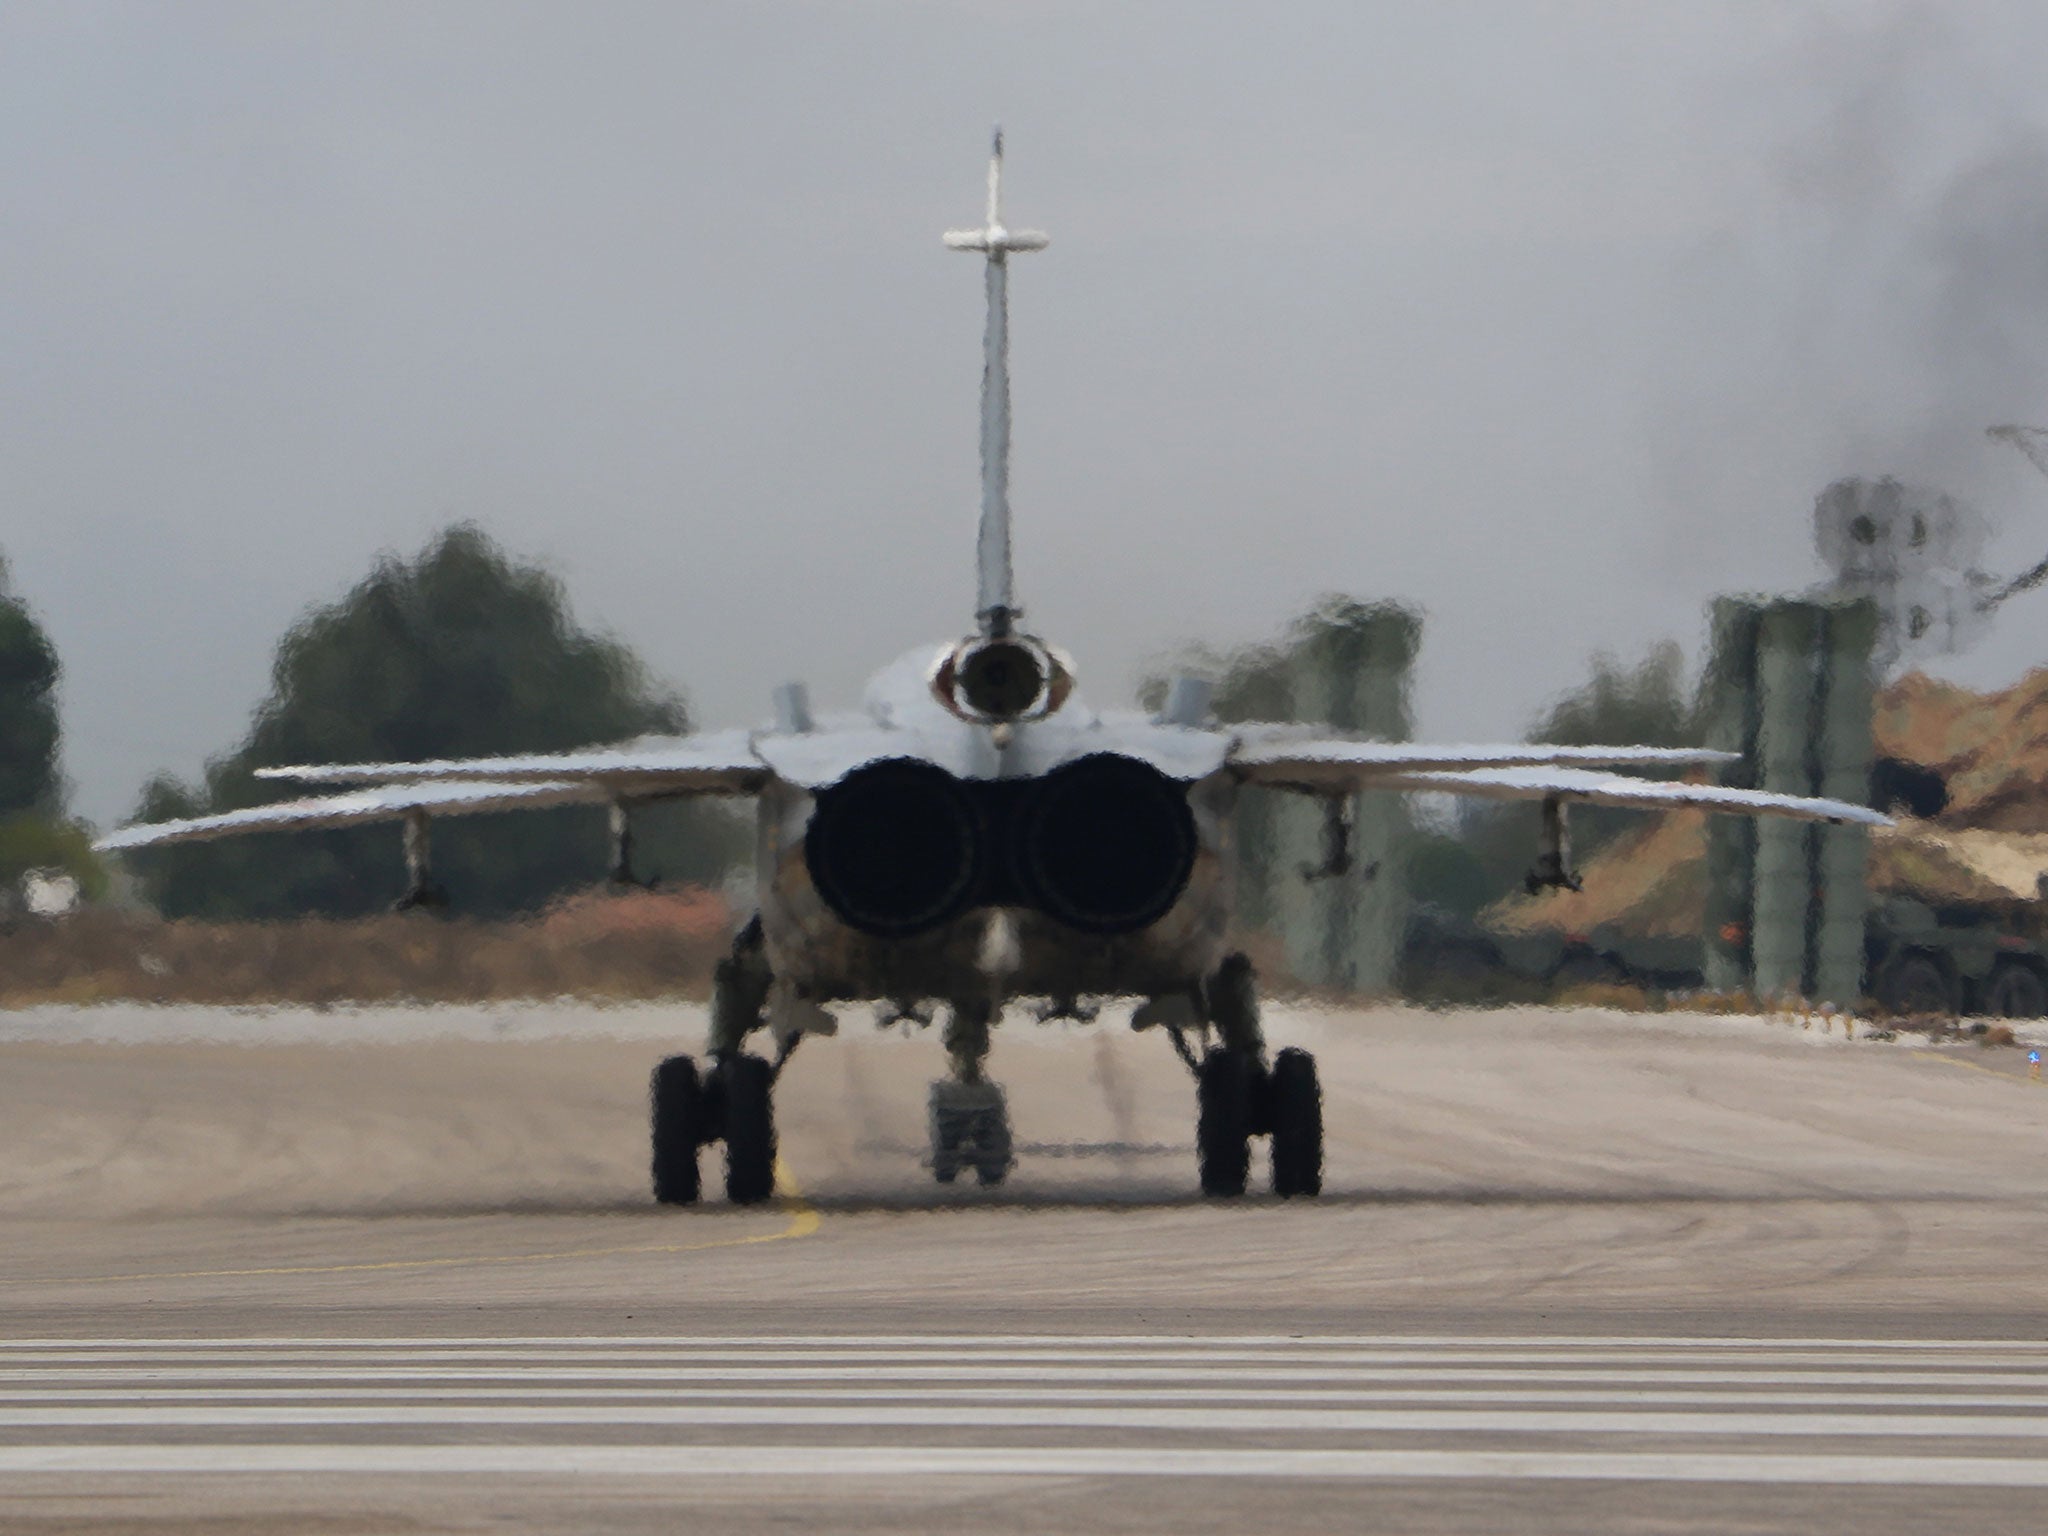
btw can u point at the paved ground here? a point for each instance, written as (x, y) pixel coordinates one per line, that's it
(1577, 1273)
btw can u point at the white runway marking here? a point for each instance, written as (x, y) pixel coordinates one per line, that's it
(1132, 1406)
(775, 1461)
(513, 1391)
(1089, 1345)
(1007, 1376)
(1247, 1417)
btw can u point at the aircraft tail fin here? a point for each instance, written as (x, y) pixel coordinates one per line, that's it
(995, 606)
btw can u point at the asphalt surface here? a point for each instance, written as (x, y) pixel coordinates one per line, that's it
(396, 1271)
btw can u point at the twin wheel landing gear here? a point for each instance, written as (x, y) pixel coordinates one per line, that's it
(1237, 1097)
(970, 1128)
(732, 1101)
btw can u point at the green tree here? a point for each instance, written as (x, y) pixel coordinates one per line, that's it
(461, 652)
(1444, 870)
(34, 833)
(1649, 704)
(29, 778)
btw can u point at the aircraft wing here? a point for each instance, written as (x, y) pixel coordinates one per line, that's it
(715, 763)
(1581, 787)
(1292, 757)
(389, 802)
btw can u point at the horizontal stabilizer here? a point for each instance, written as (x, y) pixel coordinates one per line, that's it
(1004, 240)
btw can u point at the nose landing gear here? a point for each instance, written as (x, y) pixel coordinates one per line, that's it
(967, 1115)
(970, 1128)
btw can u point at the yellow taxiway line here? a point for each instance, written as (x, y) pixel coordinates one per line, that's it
(1971, 1066)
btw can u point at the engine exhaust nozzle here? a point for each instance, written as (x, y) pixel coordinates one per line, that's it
(996, 679)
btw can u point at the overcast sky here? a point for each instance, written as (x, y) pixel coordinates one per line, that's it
(1551, 318)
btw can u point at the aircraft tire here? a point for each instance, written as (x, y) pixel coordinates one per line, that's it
(1296, 1106)
(1225, 1089)
(945, 1138)
(992, 1148)
(1916, 985)
(2017, 992)
(677, 1111)
(746, 1085)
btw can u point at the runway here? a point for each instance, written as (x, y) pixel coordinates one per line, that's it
(1574, 1272)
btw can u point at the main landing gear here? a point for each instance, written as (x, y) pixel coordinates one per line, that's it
(1238, 1097)
(732, 1101)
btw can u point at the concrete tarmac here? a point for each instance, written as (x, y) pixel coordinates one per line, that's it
(397, 1270)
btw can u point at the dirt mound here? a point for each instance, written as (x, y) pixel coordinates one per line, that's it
(1991, 748)
(602, 947)
(1959, 866)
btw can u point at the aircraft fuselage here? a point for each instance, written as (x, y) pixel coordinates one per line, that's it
(933, 858)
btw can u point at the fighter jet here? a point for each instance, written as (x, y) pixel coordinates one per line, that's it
(977, 835)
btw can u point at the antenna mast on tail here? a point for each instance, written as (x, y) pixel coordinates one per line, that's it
(996, 606)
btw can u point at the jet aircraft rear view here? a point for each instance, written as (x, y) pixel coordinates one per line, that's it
(976, 835)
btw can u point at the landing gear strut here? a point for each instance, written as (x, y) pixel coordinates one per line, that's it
(733, 1100)
(619, 868)
(1238, 1098)
(1553, 871)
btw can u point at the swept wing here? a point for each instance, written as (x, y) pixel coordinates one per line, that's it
(392, 802)
(1289, 757)
(718, 762)
(1578, 786)
(1282, 757)
(721, 763)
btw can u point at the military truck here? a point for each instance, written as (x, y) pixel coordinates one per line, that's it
(1953, 960)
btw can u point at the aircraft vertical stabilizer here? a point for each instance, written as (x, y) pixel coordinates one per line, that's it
(995, 606)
